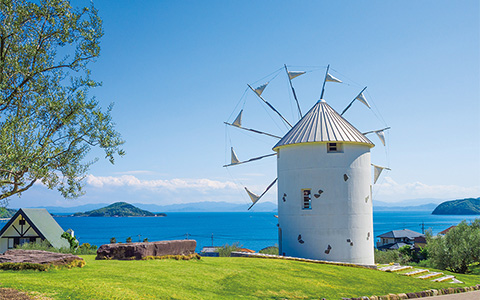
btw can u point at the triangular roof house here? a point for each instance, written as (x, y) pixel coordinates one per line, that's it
(322, 124)
(31, 225)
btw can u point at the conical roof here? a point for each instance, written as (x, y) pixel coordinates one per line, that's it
(322, 124)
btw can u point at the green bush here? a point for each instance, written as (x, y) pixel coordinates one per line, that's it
(86, 248)
(113, 240)
(458, 249)
(270, 250)
(72, 240)
(44, 246)
(226, 249)
(129, 240)
(386, 257)
(24, 266)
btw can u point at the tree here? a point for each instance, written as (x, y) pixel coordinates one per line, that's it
(47, 121)
(459, 248)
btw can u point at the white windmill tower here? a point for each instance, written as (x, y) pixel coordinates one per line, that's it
(324, 186)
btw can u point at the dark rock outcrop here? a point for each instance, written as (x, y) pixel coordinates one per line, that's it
(37, 257)
(141, 250)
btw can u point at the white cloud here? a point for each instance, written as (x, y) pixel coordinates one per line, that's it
(201, 184)
(389, 190)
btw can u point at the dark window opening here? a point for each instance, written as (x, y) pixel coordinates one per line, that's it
(334, 148)
(307, 199)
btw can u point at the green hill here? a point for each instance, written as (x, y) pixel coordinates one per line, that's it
(470, 206)
(7, 212)
(118, 209)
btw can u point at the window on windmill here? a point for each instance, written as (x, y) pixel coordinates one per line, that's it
(334, 147)
(307, 199)
(21, 222)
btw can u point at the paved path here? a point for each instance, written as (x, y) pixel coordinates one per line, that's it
(475, 295)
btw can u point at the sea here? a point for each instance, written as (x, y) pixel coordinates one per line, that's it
(252, 230)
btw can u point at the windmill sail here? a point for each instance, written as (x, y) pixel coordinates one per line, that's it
(294, 74)
(246, 161)
(377, 171)
(252, 196)
(238, 120)
(234, 159)
(380, 133)
(362, 99)
(381, 136)
(256, 131)
(259, 90)
(255, 197)
(330, 78)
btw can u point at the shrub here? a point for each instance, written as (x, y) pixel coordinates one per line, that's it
(386, 257)
(113, 240)
(72, 240)
(129, 239)
(24, 266)
(270, 250)
(145, 240)
(458, 249)
(226, 249)
(44, 246)
(86, 248)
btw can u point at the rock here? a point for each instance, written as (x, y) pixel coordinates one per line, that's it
(411, 295)
(402, 296)
(141, 250)
(37, 257)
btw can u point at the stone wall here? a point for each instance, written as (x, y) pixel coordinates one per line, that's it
(141, 250)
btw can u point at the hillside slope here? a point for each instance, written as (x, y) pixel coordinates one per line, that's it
(469, 206)
(118, 209)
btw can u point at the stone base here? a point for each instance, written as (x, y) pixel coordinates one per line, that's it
(140, 250)
(37, 257)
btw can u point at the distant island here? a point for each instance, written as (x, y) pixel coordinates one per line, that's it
(7, 212)
(469, 206)
(118, 209)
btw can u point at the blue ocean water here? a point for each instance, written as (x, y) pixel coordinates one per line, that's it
(254, 230)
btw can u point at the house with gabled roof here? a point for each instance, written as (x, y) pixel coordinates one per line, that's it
(30, 225)
(396, 239)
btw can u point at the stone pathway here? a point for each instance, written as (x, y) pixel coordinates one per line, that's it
(420, 273)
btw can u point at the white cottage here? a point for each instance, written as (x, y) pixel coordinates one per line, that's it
(324, 189)
(30, 225)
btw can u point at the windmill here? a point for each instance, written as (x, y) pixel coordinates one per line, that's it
(324, 181)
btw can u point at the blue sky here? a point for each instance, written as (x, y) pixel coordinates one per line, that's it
(176, 70)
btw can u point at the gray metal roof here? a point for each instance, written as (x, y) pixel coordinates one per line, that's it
(401, 234)
(322, 124)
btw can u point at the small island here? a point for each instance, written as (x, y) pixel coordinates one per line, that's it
(118, 209)
(469, 206)
(7, 212)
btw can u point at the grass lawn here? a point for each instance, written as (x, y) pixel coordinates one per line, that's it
(215, 278)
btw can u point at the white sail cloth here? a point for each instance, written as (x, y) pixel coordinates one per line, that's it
(330, 78)
(259, 90)
(234, 158)
(377, 171)
(294, 74)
